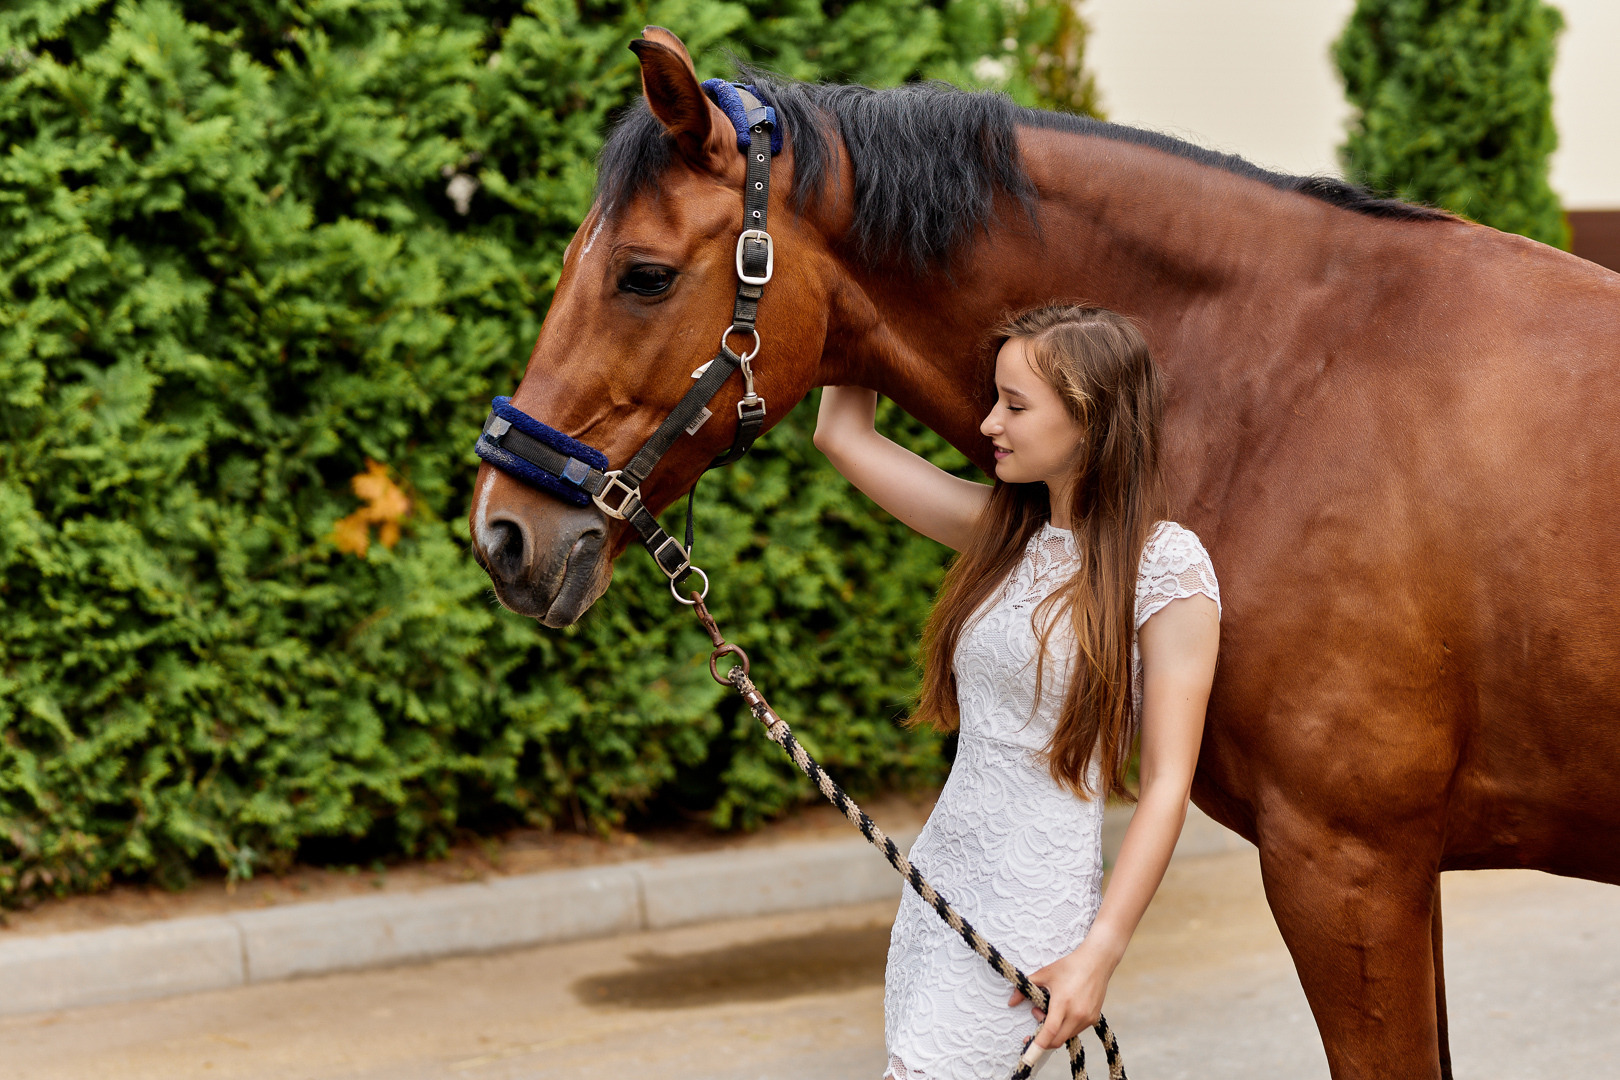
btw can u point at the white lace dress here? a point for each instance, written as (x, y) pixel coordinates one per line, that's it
(1019, 856)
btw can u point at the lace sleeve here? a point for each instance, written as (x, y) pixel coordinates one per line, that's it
(1174, 565)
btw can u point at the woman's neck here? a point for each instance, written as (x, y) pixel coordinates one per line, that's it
(1058, 516)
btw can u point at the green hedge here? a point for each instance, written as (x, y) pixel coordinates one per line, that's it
(1454, 107)
(231, 278)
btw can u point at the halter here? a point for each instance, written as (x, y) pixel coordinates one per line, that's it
(539, 455)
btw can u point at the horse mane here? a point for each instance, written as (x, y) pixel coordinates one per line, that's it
(929, 160)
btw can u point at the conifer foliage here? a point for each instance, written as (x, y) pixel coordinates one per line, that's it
(1454, 107)
(262, 266)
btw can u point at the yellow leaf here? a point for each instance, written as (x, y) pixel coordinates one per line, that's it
(386, 505)
(386, 501)
(352, 534)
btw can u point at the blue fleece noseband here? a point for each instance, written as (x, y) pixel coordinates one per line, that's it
(565, 484)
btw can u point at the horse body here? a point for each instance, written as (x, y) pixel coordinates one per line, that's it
(1395, 435)
(1396, 439)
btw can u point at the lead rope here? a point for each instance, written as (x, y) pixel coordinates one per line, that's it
(779, 732)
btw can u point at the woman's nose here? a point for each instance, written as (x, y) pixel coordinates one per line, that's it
(988, 426)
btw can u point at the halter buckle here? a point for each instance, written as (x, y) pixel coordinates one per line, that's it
(770, 256)
(630, 495)
(686, 559)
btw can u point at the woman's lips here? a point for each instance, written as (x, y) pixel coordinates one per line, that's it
(1000, 453)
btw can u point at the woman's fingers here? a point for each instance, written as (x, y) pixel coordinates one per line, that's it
(1063, 1020)
(1037, 978)
(1050, 1018)
(1052, 1035)
(1078, 1022)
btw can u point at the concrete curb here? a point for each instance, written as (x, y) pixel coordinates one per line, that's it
(160, 959)
(216, 952)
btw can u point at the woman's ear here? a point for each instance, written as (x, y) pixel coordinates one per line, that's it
(669, 82)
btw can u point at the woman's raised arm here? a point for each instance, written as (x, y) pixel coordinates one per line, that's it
(919, 493)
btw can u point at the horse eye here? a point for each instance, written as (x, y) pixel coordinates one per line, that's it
(647, 280)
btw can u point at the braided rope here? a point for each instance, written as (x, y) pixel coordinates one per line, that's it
(782, 735)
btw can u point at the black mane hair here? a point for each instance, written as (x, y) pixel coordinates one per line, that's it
(929, 160)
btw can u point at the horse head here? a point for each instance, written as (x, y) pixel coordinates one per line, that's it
(645, 295)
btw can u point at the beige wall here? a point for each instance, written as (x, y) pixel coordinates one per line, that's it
(1254, 77)
(1586, 103)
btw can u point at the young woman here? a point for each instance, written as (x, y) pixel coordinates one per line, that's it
(1073, 620)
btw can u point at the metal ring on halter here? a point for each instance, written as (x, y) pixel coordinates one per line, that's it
(728, 649)
(704, 595)
(739, 328)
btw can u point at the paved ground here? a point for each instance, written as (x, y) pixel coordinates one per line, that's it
(1207, 992)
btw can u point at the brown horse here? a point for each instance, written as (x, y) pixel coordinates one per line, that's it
(1395, 431)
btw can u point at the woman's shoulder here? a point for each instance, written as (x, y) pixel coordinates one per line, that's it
(1171, 539)
(1174, 565)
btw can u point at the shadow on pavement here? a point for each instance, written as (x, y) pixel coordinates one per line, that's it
(769, 970)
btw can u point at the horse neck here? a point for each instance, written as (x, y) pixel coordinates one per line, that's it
(1189, 250)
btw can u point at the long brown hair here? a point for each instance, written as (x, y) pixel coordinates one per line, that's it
(1098, 363)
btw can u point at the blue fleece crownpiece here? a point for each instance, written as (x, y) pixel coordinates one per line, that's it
(530, 473)
(725, 95)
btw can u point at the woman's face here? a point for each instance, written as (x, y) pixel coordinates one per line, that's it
(1034, 435)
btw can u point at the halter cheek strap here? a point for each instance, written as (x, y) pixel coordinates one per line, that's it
(534, 452)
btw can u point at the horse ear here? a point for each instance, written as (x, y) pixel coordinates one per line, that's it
(670, 84)
(667, 38)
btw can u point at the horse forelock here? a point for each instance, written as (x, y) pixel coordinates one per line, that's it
(928, 161)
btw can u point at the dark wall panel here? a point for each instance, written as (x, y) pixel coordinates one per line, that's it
(1597, 236)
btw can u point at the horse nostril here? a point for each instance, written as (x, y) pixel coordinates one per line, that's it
(506, 551)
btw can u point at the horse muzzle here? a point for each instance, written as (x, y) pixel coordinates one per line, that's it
(547, 560)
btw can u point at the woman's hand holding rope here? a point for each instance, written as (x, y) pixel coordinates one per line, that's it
(1075, 985)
